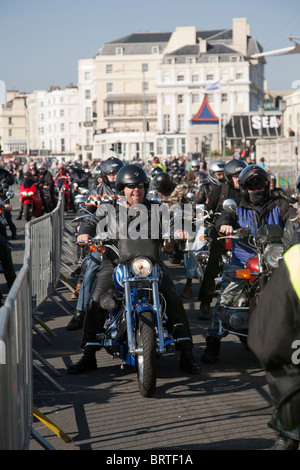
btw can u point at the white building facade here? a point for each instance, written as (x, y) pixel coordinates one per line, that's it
(147, 87)
(53, 122)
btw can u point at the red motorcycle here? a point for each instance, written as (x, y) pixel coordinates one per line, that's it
(63, 182)
(31, 201)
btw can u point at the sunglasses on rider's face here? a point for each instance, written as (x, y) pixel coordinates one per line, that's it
(135, 185)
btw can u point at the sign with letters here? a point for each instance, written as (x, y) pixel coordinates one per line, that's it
(252, 125)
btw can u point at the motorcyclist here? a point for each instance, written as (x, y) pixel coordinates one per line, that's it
(277, 191)
(274, 329)
(6, 180)
(216, 178)
(227, 190)
(257, 207)
(45, 178)
(132, 181)
(103, 192)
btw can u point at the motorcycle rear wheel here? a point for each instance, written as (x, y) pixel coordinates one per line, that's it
(146, 359)
(27, 212)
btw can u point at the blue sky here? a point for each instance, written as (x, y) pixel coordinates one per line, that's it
(41, 41)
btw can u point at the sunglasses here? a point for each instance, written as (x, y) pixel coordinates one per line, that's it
(135, 185)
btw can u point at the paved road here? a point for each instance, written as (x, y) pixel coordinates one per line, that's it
(227, 407)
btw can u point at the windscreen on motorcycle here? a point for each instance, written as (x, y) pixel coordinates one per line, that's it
(131, 249)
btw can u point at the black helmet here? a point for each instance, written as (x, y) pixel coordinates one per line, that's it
(232, 168)
(254, 177)
(215, 167)
(131, 174)
(110, 165)
(98, 171)
(174, 164)
(77, 166)
(163, 183)
(156, 170)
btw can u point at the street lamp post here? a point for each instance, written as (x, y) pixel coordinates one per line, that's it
(282, 109)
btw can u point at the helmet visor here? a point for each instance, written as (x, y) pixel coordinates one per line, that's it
(256, 183)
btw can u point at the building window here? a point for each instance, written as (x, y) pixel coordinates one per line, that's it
(179, 99)
(61, 113)
(109, 87)
(110, 108)
(180, 77)
(87, 76)
(145, 67)
(166, 122)
(210, 98)
(62, 127)
(62, 145)
(195, 77)
(155, 49)
(209, 76)
(170, 147)
(88, 137)
(181, 146)
(180, 122)
(119, 50)
(10, 132)
(213, 59)
(88, 114)
(87, 94)
(224, 97)
(10, 120)
(109, 68)
(239, 76)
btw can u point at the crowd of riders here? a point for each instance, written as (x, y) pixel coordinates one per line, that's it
(251, 184)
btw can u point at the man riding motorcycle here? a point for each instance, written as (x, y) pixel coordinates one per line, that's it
(227, 190)
(131, 181)
(258, 207)
(103, 192)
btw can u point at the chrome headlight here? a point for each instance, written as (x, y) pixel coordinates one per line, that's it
(141, 267)
(273, 253)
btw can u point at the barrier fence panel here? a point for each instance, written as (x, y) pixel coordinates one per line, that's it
(35, 282)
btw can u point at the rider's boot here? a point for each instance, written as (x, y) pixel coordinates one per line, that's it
(188, 363)
(86, 362)
(76, 322)
(212, 350)
(204, 312)
(285, 443)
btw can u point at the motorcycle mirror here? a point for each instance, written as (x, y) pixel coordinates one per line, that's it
(156, 198)
(10, 194)
(83, 191)
(229, 205)
(190, 196)
(79, 199)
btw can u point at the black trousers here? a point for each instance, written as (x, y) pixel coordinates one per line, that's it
(207, 287)
(95, 315)
(7, 262)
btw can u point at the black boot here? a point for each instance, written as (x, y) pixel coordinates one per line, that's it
(76, 323)
(211, 353)
(204, 313)
(188, 363)
(285, 443)
(86, 362)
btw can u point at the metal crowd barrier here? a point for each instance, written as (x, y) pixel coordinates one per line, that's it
(35, 283)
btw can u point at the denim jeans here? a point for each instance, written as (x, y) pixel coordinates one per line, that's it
(191, 267)
(230, 291)
(88, 281)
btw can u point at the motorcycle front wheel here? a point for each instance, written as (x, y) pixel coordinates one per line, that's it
(146, 359)
(27, 212)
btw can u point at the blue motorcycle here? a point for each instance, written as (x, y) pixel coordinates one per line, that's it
(135, 328)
